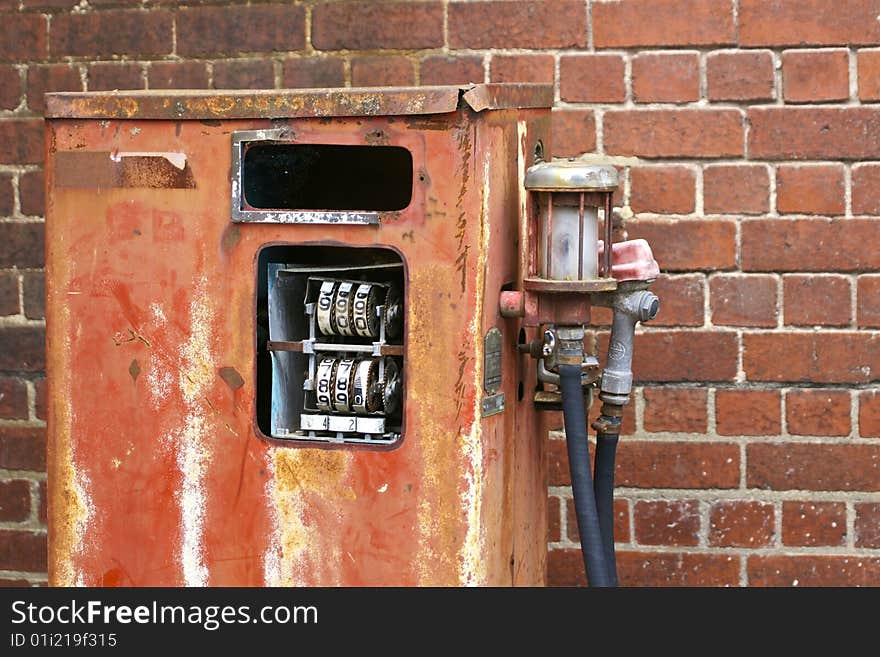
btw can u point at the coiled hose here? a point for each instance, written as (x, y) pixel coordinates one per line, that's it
(575, 419)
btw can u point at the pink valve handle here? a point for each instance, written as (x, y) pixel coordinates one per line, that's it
(631, 260)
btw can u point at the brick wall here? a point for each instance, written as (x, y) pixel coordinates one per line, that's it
(749, 141)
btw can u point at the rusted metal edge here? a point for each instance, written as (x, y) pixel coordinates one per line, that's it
(292, 103)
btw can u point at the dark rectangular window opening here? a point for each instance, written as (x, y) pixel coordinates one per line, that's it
(330, 177)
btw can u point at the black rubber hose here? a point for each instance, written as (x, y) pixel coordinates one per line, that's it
(575, 419)
(603, 486)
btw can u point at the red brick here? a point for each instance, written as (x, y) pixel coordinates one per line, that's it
(574, 132)
(674, 523)
(113, 32)
(813, 466)
(32, 193)
(809, 570)
(53, 77)
(15, 500)
(818, 412)
(21, 244)
(869, 75)
(840, 357)
(814, 133)
(313, 72)
(517, 24)
(53, 4)
(24, 348)
(736, 189)
(566, 568)
(869, 414)
(675, 409)
(810, 189)
(23, 448)
(692, 465)
(10, 87)
(867, 525)
(441, 69)
(681, 300)
(817, 300)
(378, 71)
(697, 244)
(23, 37)
(813, 523)
(868, 301)
(9, 303)
(7, 195)
(16, 583)
(743, 299)
(816, 244)
(554, 532)
(22, 550)
(748, 412)
(107, 76)
(694, 355)
(240, 29)
(21, 141)
(40, 385)
(377, 25)
(741, 523)
(178, 75)
(34, 293)
(13, 399)
(740, 75)
(522, 68)
(674, 133)
(815, 76)
(662, 23)
(808, 22)
(666, 77)
(663, 189)
(592, 78)
(865, 183)
(621, 521)
(244, 74)
(42, 512)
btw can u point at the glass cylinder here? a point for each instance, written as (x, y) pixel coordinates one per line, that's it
(569, 238)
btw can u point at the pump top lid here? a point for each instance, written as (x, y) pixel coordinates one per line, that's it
(571, 176)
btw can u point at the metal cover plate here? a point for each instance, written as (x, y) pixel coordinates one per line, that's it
(492, 361)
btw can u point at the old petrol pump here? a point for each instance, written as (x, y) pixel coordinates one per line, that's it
(289, 336)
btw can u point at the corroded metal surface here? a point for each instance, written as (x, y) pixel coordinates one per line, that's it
(294, 103)
(158, 474)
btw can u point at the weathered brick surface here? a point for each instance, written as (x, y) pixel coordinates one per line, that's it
(662, 23)
(517, 24)
(375, 25)
(748, 412)
(806, 466)
(743, 300)
(240, 29)
(657, 133)
(807, 22)
(812, 524)
(803, 189)
(815, 76)
(675, 409)
(666, 77)
(736, 189)
(808, 570)
(592, 78)
(817, 299)
(740, 523)
(740, 75)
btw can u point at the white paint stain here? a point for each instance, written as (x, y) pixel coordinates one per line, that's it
(195, 375)
(474, 565)
(383, 488)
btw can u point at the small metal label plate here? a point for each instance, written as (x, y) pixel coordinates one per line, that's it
(492, 361)
(493, 405)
